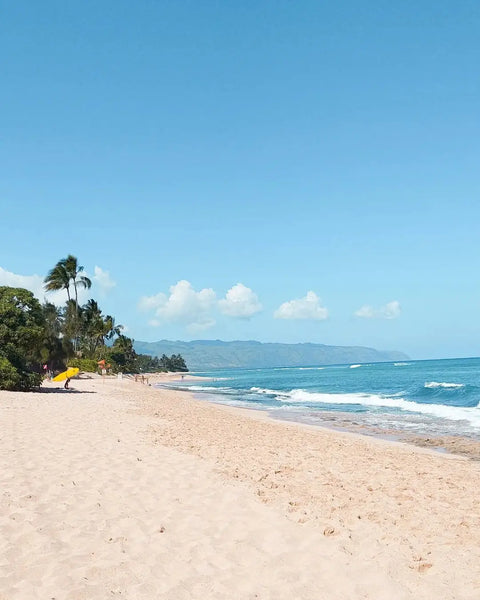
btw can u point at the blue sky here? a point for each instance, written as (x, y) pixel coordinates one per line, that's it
(290, 147)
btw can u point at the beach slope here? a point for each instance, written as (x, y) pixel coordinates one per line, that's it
(115, 489)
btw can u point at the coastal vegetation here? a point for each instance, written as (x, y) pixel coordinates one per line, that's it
(22, 339)
(38, 338)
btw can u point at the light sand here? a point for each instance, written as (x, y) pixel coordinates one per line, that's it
(135, 493)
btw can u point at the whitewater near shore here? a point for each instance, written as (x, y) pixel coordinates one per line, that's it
(435, 401)
(116, 489)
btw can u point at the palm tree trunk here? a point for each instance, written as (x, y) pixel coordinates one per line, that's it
(77, 316)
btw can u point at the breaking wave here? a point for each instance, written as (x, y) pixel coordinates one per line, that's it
(441, 384)
(299, 397)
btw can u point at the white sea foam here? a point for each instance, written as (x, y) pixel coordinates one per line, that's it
(295, 398)
(311, 368)
(400, 364)
(268, 392)
(453, 413)
(441, 384)
(355, 366)
(207, 388)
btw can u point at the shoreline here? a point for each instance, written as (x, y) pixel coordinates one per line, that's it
(119, 488)
(399, 490)
(268, 416)
(458, 445)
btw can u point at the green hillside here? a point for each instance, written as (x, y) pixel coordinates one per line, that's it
(205, 355)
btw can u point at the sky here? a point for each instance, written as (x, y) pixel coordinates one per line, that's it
(281, 171)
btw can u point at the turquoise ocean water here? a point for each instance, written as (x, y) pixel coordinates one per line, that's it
(434, 397)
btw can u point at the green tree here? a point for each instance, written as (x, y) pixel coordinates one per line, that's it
(56, 347)
(70, 315)
(121, 355)
(75, 274)
(9, 377)
(96, 328)
(68, 272)
(148, 364)
(58, 279)
(175, 362)
(111, 329)
(91, 330)
(22, 333)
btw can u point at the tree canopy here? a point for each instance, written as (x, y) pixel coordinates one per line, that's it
(22, 337)
(33, 335)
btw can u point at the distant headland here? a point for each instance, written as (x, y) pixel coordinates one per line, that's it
(216, 354)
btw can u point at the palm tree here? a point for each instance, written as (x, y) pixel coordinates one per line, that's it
(124, 354)
(110, 328)
(97, 328)
(91, 310)
(66, 271)
(74, 270)
(55, 350)
(71, 315)
(58, 279)
(53, 320)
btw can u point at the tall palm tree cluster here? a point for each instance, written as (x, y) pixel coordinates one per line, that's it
(77, 330)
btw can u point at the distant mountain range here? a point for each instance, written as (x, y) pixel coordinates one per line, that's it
(207, 355)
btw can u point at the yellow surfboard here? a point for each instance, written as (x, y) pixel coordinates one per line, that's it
(68, 374)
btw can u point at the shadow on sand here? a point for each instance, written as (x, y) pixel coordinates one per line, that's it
(63, 391)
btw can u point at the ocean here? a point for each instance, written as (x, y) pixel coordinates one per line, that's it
(419, 398)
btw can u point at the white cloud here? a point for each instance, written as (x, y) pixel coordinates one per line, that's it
(201, 325)
(365, 312)
(391, 310)
(240, 301)
(103, 280)
(182, 305)
(34, 283)
(308, 307)
(147, 303)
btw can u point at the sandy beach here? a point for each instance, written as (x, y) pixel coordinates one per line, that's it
(116, 489)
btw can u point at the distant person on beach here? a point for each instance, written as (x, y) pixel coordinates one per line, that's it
(66, 383)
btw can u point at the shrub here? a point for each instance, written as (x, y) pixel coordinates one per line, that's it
(22, 330)
(89, 365)
(9, 377)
